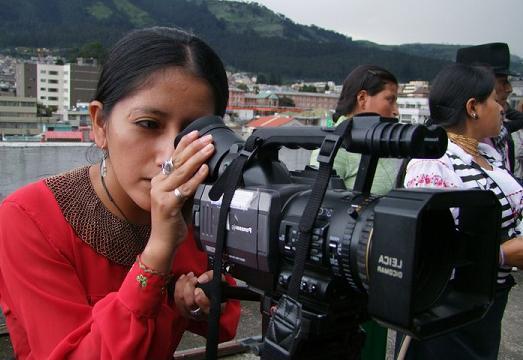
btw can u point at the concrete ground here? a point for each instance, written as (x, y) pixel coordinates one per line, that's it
(511, 347)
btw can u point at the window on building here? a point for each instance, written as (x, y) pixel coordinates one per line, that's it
(53, 72)
(53, 81)
(8, 103)
(43, 72)
(52, 98)
(43, 80)
(52, 90)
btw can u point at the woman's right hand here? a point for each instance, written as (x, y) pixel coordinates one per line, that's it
(513, 252)
(169, 193)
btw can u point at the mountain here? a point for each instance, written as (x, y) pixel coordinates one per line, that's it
(248, 36)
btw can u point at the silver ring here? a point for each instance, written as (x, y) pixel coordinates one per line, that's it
(196, 313)
(178, 194)
(167, 166)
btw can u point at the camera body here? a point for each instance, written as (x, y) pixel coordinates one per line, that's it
(402, 258)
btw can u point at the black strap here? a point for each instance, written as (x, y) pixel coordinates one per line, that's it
(284, 330)
(225, 186)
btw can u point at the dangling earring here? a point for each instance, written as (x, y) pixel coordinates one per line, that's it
(103, 165)
(474, 116)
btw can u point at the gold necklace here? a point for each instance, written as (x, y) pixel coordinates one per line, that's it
(468, 144)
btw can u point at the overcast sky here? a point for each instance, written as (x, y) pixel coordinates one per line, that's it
(393, 22)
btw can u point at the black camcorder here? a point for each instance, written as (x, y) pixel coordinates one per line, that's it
(422, 261)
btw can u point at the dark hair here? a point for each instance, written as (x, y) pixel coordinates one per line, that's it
(142, 52)
(453, 87)
(370, 78)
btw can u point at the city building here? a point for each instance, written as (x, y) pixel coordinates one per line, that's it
(414, 89)
(18, 117)
(413, 110)
(57, 86)
(25, 75)
(306, 100)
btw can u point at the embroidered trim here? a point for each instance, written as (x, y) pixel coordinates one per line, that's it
(108, 235)
(432, 179)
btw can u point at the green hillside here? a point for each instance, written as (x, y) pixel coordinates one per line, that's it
(248, 36)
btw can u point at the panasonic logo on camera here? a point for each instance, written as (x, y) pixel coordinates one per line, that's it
(241, 228)
(390, 266)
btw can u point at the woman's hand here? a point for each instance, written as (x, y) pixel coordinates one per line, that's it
(169, 193)
(513, 252)
(190, 300)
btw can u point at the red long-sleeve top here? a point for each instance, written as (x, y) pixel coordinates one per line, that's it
(62, 299)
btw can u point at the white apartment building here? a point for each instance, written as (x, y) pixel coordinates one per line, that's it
(60, 86)
(413, 110)
(53, 85)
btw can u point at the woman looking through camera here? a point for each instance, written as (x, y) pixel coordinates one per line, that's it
(87, 258)
(463, 101)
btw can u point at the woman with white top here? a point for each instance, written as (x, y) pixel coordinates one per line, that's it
(463, 101)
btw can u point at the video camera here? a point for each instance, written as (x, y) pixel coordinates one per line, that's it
(419, 261)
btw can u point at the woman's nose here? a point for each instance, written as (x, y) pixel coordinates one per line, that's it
(395, 111)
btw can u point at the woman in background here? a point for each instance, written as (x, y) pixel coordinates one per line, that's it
(463, 101)
(367, 89)
(87, 258)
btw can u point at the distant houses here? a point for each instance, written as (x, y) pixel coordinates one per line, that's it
(51, 103)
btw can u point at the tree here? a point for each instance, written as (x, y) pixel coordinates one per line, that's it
(93, 50)
(308, 88)
(274, 79)
(242, 86)
(261, 79)
(43, 110)
(286, 101)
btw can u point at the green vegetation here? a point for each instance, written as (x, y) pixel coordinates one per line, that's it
(90, 50)
(239, 19)
(308, 88)
(99, 11)
(136, 16)
(247, 36)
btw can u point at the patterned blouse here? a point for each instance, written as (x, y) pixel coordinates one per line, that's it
(456, 169)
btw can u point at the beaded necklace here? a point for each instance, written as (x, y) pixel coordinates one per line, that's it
(468, 144)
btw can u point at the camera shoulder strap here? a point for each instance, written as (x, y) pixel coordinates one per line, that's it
(284, 329)
(225, 186)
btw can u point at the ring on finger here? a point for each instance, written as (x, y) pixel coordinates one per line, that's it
(179, 194)
(168, 166)
(196, 313)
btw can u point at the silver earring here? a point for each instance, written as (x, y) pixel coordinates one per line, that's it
(474, 116)
(103, 166)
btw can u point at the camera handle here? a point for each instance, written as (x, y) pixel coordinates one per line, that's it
(366, 171)
(231, 292)
(284, 331)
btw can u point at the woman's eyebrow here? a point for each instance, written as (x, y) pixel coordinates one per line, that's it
(148, 110)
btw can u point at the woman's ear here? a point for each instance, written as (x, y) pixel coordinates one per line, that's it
(361, 100)
(470, 106)
(98, 123)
